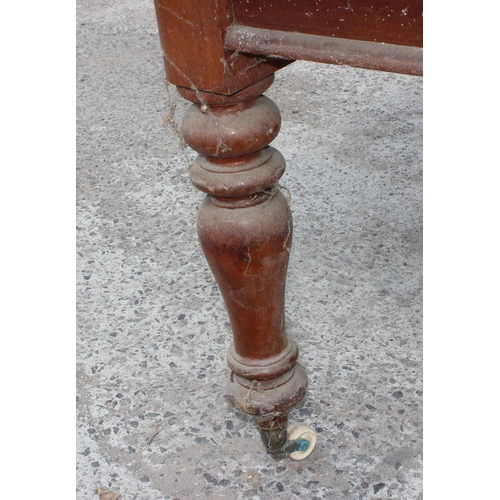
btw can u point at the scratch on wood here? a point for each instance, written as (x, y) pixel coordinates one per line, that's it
(170, 11)
(249, 260)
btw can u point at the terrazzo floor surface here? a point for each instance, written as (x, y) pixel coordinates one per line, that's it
(152, 331)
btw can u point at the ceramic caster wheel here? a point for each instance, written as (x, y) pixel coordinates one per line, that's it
(306, 435)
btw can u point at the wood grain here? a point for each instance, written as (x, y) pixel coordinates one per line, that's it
(388, 21)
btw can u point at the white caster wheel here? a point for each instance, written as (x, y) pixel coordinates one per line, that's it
(306, 435)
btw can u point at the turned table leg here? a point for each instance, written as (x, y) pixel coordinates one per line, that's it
(245, 230)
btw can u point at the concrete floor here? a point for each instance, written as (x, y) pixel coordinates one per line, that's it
(152, 421)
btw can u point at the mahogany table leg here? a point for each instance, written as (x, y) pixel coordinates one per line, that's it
(245, 230)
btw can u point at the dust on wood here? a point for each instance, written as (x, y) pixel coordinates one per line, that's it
(205, 108)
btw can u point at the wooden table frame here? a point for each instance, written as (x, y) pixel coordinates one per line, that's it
(222, 56)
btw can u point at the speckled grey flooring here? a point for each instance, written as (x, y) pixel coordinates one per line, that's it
(152, 420)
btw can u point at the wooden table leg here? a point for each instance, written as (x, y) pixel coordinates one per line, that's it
(245, 230)
(244, 223)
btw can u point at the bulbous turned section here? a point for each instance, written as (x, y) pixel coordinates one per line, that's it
(231, 130)
(220, 126)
